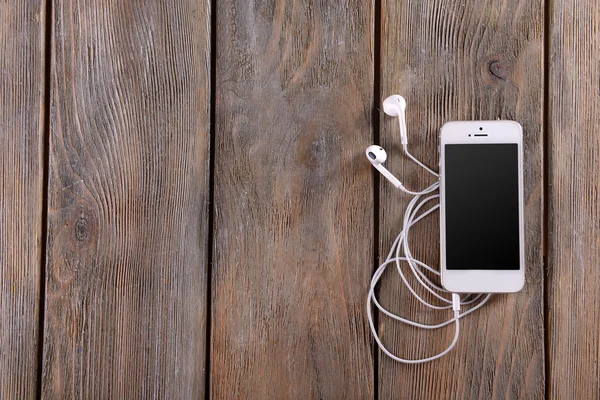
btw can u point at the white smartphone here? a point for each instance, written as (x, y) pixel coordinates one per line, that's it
(481, 219)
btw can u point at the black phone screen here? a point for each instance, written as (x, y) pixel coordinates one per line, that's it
(482, 206)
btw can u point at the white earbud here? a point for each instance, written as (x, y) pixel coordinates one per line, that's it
(395, 106)
(377, 157)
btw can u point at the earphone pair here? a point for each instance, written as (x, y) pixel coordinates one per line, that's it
(395, 106)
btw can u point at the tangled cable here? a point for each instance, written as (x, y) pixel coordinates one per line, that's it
(417, 267)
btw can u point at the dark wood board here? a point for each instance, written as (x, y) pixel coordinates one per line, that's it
(574, 201)
(463, 60)
(21, 175)
(128, 200)
(293, 244)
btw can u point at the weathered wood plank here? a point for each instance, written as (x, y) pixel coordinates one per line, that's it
(21, 170)
(293, 200)
(463, 60)
(574, 201)
(128, 200)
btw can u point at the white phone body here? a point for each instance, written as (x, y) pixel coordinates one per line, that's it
(483, 280)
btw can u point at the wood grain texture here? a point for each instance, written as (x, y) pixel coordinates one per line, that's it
(468, 60)
(21, 170)
(574, 201)
(293, 200)
(128, 200)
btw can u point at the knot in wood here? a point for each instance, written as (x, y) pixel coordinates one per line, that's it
(499, 70)
(83, 227)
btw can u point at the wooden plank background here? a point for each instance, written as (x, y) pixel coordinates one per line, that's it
(573, 282)
(21, 199)
(293, 201)
(209, 223)
(472, 60)
(128, 201)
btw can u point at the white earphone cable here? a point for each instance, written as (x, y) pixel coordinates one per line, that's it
(417, 268)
